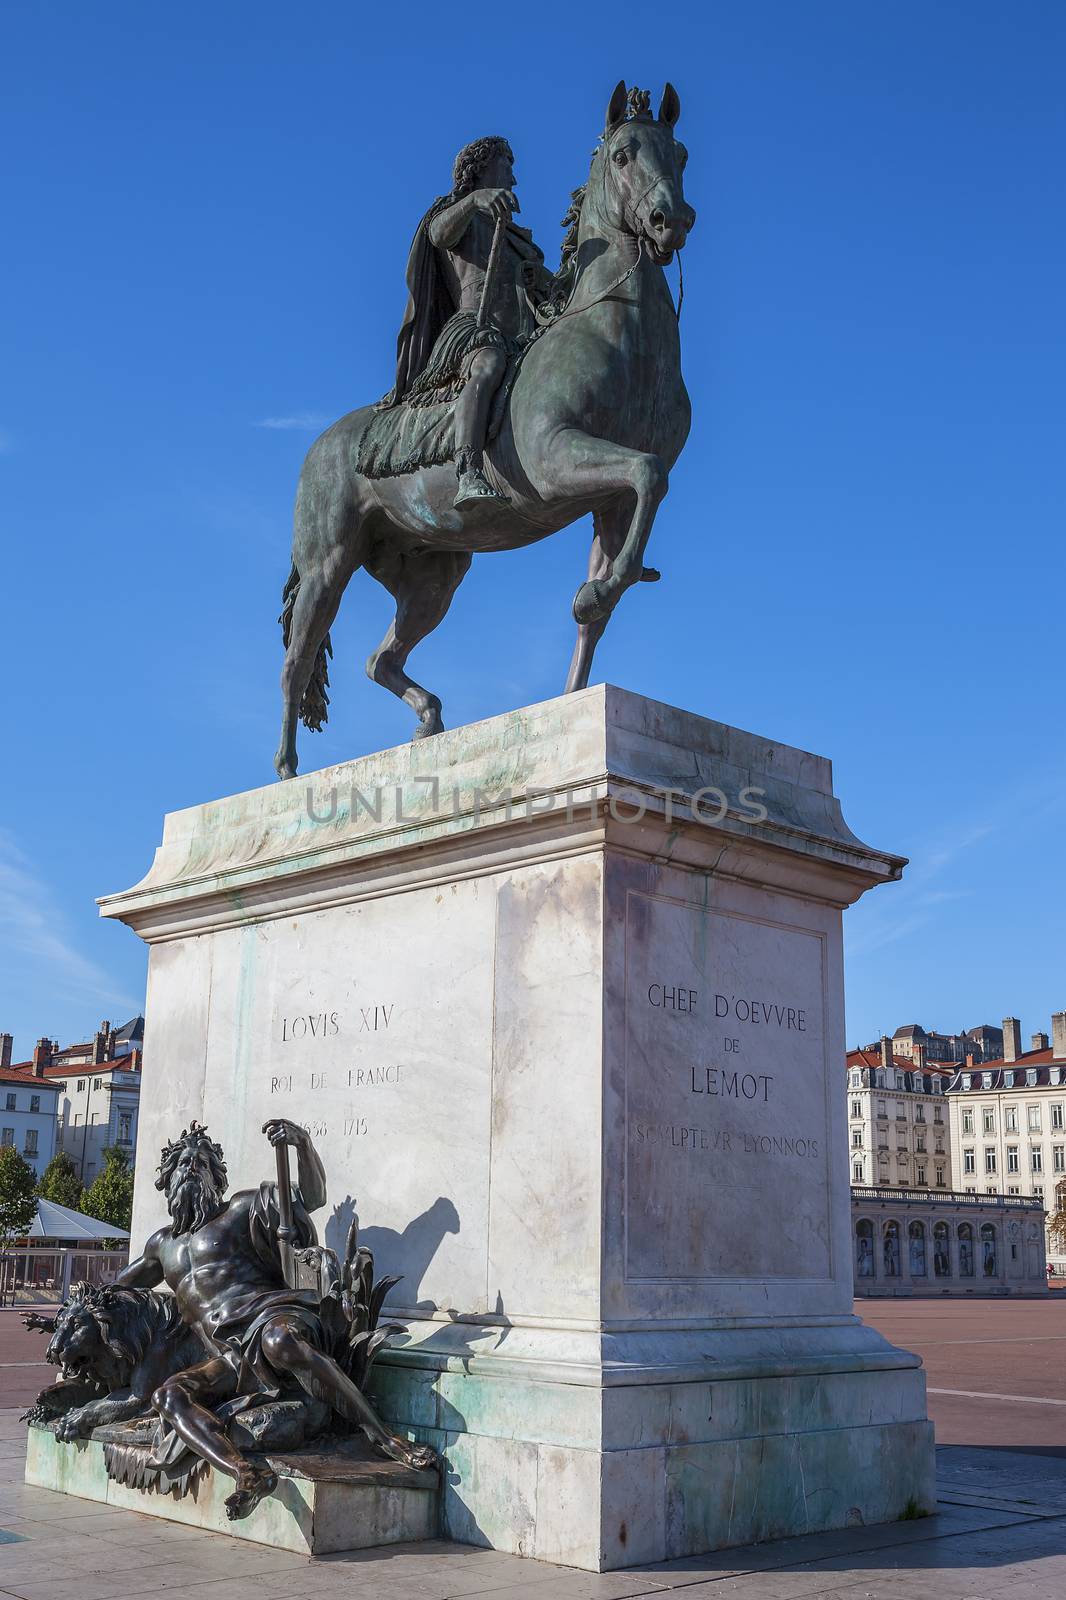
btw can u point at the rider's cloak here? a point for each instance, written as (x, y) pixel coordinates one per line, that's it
(430, 301)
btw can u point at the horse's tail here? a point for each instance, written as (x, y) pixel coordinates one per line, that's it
(314, 707)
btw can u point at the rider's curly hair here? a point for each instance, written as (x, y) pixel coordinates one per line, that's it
(472, 160)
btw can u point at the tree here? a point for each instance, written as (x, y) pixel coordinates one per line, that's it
(61, 1183)
(109, 1198)
(18, 1196)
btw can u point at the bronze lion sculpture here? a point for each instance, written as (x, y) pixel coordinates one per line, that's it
(115, 1347)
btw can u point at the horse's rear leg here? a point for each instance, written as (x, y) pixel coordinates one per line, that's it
(322, 577)
(422, 583)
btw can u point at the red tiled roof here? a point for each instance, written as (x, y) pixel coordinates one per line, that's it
(17, 1074)
(79, 1069)
(872, 1058)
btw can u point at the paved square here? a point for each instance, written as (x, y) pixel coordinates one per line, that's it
(998, 1395)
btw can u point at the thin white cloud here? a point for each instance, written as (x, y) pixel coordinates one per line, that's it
(33, 935)
(303, 422)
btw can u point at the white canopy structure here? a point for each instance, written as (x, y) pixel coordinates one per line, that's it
(59, 1223)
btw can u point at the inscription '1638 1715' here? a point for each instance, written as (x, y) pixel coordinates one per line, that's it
(726, 1114)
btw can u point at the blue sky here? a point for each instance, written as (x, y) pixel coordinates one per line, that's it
(207, 212)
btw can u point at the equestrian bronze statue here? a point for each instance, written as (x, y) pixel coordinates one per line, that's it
(522, 401)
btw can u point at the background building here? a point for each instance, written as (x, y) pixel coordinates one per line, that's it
(98, 1084)
(1008, 1120)
(918, 1045)
(898, 1123)
(909, 1242)
(29, 1105)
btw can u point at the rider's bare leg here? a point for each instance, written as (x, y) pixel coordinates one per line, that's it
(184, 1402)
(484, 376)
(289, 1352)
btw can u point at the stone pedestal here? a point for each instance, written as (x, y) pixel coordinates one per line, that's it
(329, 1499)
(559, 996)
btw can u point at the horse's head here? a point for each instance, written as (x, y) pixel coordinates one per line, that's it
(642, 164)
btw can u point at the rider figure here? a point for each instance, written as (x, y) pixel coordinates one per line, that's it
(444, 352)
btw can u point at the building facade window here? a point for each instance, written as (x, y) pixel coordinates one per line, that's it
(1058, 1158)
(124, 1125)
(919, 1113)
(856, 1108)
(989, 1119)
(882, 1108)
(7, 1138)
(856, 1171)
(1012, 1158)
(35, 1102)
(969, 1161)
(990, 1161)
(1056, 1118)
(81, 1085)
(940, 1177)
(938, 1113)
(966, 1250)
(864, 1249)
(31, 1142)
(1010, 1119)
(1034, 1118)
(919, 1175)
(856, 1138)
(1036, 1159)
(11, 1102)
(967, 1121)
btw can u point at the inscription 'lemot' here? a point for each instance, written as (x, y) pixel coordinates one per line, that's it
(732, 1085)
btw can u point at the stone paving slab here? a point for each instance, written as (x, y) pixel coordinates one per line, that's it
(1000, 1534)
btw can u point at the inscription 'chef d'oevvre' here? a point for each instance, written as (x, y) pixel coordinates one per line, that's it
(725, 1095)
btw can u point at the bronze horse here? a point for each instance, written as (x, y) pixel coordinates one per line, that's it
(598, 415)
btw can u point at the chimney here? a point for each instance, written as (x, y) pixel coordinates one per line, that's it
(99, 1054)
(921, 1051)
(1058, 1035)
(969, 1060)
(6, 1042)
(42, 1057)
(1012, 1038)
(886, 1050)
(1039, 1041)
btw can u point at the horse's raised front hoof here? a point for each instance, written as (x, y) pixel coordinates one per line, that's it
(591, 603)
(650, 574)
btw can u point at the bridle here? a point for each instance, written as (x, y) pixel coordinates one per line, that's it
(631, 214)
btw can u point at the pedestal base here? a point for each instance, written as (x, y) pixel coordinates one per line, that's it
(325, 1500)
(667, 1447)
(560, 999)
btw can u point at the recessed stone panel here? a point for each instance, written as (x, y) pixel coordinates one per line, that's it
(727, 1154)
